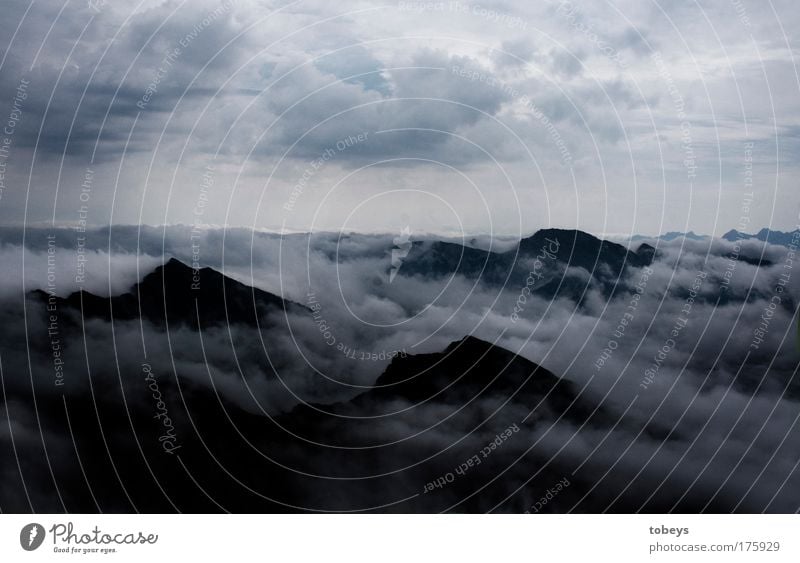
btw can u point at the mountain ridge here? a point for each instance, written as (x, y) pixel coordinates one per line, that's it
(176, 293)
(766, 235)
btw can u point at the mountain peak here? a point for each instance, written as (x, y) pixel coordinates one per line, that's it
(469, 342)
(469, 363)
(177, 294)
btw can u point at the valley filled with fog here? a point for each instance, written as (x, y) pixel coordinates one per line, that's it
(354, 372)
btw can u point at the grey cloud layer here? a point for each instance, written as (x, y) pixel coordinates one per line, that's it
(149, 95)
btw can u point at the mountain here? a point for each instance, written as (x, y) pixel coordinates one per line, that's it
(646, 252)
(424, 418)
(766, 235)
(467, 370)
(177, 294)
(471, 428)
(672, 235)
(563, 263)
(465, 367)
(579, 249)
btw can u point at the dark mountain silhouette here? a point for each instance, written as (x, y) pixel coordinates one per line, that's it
(467, 371)
(177, 294)
(549, 252)
(467, 365)
(646, 252)
(579, 249)
(426, 416)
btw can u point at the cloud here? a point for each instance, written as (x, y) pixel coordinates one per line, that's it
(109, 91)
(705, 419)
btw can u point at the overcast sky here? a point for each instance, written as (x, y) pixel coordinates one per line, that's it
(440, 117)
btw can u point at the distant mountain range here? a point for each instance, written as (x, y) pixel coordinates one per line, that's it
(672, 235)
(766, 235)
(561, 263)
(552, 263)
